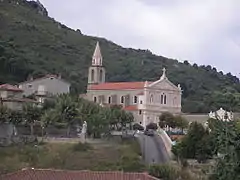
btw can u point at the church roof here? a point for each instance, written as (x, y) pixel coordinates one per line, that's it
(117, 86)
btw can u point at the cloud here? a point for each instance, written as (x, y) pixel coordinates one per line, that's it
(201, 31)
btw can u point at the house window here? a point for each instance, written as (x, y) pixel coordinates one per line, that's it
(109, 100)
(165, 99)
(122, 99)
(161, 99)
(140, 112)
(140, 122)
(151, 98)
(29, 85)
(51, 78)
(94, 99)
(135, 99)
(141, 102)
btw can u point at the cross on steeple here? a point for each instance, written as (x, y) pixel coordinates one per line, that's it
(164, 71)
(164, 74)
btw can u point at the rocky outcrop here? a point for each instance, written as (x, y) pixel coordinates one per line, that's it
(39, 7)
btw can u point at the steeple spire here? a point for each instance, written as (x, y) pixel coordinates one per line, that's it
(97, 56)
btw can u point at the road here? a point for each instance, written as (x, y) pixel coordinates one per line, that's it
(153, 149)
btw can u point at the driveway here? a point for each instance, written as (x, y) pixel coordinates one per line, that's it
(153, 149)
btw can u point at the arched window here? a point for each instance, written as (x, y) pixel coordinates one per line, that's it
(122, 99)
(165, 99)
(92, 75)
(94, 99)
(101, 75)
(135, 100)
(151, 98)
(161, 99)
(109, 100)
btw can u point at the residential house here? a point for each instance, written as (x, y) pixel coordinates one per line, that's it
(41, 174)
(45, 87)
(12, 97)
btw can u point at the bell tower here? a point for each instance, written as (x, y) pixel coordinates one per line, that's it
(96, 72)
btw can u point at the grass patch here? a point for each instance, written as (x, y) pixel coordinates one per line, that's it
(82, 147)
(72, 156)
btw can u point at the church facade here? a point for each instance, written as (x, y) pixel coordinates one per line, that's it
(146, 100)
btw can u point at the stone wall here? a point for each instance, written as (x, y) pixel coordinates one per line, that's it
(202, 118)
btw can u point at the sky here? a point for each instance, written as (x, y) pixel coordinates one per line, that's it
(206, 32)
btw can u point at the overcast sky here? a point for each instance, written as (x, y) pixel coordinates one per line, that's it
(200, 31)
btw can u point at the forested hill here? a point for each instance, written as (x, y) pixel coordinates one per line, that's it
(31, 43)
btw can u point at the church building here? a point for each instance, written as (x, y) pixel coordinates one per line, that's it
(146, 100)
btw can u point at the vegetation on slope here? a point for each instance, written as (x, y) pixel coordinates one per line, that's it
(34, 44)
(72, 156)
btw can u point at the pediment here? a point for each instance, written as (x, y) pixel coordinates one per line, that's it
(164, 84)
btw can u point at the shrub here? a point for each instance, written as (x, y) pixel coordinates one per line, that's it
(164, 172)
(131, 163)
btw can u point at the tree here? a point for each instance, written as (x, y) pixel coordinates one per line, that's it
(15, 116)
(31, 113)
(196, 144)
(226, 136)
(152, 126)
(67, 110)
(166, 119)
(181, 122)
(4, 114)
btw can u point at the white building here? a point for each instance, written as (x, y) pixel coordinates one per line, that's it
(146, 100)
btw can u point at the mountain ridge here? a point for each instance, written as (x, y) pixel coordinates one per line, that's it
(34, 44)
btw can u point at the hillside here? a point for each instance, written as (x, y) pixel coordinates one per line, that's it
(32, 43)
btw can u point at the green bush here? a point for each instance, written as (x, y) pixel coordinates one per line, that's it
(164, 172)
(131, 164)
(82, 147)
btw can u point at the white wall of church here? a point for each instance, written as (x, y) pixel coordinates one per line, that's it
(92, 94)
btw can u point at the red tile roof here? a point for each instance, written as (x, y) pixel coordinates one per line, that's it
(117, 86)
(19, 100)
(10, 87)
(32, 174)
(130, 108)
